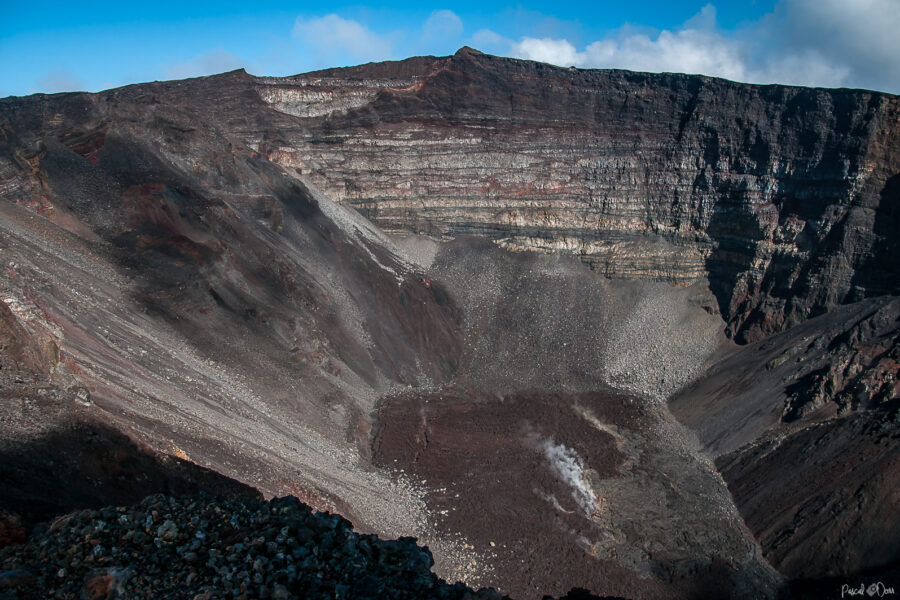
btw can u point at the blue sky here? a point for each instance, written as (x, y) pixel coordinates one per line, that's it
(55, 46)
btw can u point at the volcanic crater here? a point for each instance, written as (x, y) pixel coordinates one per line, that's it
(628, 332)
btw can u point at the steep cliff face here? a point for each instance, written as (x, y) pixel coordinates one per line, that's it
(769, 191)
(804, 429)
(782, 197)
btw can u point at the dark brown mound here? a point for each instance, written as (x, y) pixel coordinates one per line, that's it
(485, 463)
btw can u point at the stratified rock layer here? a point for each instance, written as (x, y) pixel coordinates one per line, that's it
(783, 197)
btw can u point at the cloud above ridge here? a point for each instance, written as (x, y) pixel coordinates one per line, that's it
(218, 60)
(333, 38)
(442, 25)
(829, 43)
(59, 80)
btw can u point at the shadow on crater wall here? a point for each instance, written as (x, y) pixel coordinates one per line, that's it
(90, 466)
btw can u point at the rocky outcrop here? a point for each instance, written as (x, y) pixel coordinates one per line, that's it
(829, 366)
(863, 368)
(24, 338)
(822, 499)
(768, 191)
(804, 429)
(204, 547)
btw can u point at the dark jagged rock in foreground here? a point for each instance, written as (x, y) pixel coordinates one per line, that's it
(204, 548)
(450, 297)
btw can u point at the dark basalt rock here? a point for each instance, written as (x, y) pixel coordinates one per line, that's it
(207, 547)
(804, 428)
(821, 499)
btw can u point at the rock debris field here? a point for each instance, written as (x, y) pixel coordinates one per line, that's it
(205, 548)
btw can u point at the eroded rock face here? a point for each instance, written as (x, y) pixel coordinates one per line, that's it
(822, 500)
(770, 191)
(783, 197)
(804, 429)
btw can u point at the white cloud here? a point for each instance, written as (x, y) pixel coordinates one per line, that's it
(703, 20)
(218, 60)
(58, 80)
(684, 51)
(490, 42)
(332, 38)
(803, 67)
(696, 48)
(442, 25)
(557, 52)
(859, 39)
(804, 42)
(486, 36)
